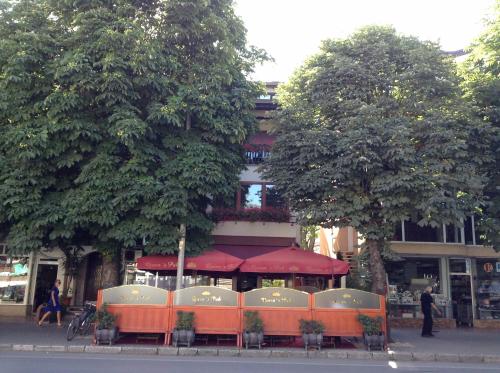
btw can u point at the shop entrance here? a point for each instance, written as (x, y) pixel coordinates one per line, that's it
(46, 276)
(461, 291)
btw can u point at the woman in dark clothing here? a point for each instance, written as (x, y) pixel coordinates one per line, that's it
(53, 305)
(427, 303)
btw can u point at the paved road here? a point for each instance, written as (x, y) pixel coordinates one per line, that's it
(11, 362)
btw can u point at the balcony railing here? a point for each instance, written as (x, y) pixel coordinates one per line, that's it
(268, 214)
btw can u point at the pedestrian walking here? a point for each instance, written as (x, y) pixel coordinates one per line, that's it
(427, 303)
(53, 305)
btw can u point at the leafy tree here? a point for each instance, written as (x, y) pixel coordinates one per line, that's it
(481, 72)
(96, 99)
(373, 130)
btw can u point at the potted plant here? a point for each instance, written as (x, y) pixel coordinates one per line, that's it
(253, 334)
(106, 330)
(373, 335)
(312, 333)
(184, 334)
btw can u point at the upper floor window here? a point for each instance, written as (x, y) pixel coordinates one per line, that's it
(412, 232)
(255, 196)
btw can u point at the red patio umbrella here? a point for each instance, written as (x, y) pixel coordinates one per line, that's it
(295, 260)
(210, 261)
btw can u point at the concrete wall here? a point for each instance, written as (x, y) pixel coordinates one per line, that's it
(433, 248)
(257, 229)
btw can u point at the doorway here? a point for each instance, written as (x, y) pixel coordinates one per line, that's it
(93, 278)
(461, 291)
(46, 276)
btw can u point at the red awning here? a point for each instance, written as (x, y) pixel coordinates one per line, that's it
(295, 260)
(212, 261)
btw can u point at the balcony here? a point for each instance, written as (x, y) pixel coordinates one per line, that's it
(267, 214)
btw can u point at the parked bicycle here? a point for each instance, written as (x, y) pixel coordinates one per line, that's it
(82, 322)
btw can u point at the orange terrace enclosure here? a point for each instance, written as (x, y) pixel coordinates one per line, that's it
(146, 309)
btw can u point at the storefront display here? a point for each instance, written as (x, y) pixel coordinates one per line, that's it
(13, 279)
(488, 289)
(407, 281)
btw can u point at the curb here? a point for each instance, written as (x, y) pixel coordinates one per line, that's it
(267, 353)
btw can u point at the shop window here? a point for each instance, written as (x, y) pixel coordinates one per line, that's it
(407, 281)
(13, 279)
(416, 233)
(488, 289)
(459, 265)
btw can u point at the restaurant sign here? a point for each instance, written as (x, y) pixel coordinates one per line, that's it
(206, 296)
(276, 297)
(346, 298)
(134, 294)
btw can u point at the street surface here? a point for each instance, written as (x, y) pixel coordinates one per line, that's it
(11, 362)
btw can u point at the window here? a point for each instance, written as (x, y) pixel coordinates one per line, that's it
(13, 278)
(251, 196)
(256, 196)
(453, 234)
(414, 232)
(274, 198)
(488, 289)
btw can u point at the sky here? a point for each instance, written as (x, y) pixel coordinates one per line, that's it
(291, 30)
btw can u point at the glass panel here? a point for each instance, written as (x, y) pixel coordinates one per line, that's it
(251, 196)
(468, 231)
(398, 232)
(273, 198)
(416, 233)
(488, 289)
(407, 280)
(459, 266)
(13, 279)
(453, 234)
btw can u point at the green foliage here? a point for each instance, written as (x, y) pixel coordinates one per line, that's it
(253, 322)
(185, 320)
(104, 319)
(95, 98)
(371, 325)
(311, 326)
(373, 129)
(309, 234)
(481, 73)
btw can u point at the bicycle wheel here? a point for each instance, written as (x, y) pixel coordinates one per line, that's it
(73, 327)
(86, 326)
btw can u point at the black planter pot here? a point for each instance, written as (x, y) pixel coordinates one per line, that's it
(183, 337)
(253, 339)
(374, 342)
(108, 336)
(312, 340)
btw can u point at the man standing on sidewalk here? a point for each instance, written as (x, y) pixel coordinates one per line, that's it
(427, 305)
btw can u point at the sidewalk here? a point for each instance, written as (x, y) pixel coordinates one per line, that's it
(455, 345)
(452, 341)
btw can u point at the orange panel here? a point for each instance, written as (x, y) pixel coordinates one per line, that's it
(211, 320)
(344, 322)
(281, 321)
(141, 318)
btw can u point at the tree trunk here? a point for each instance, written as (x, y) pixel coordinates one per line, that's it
(110, 269)
(180, 256)
(182, 230)
(376, 267)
